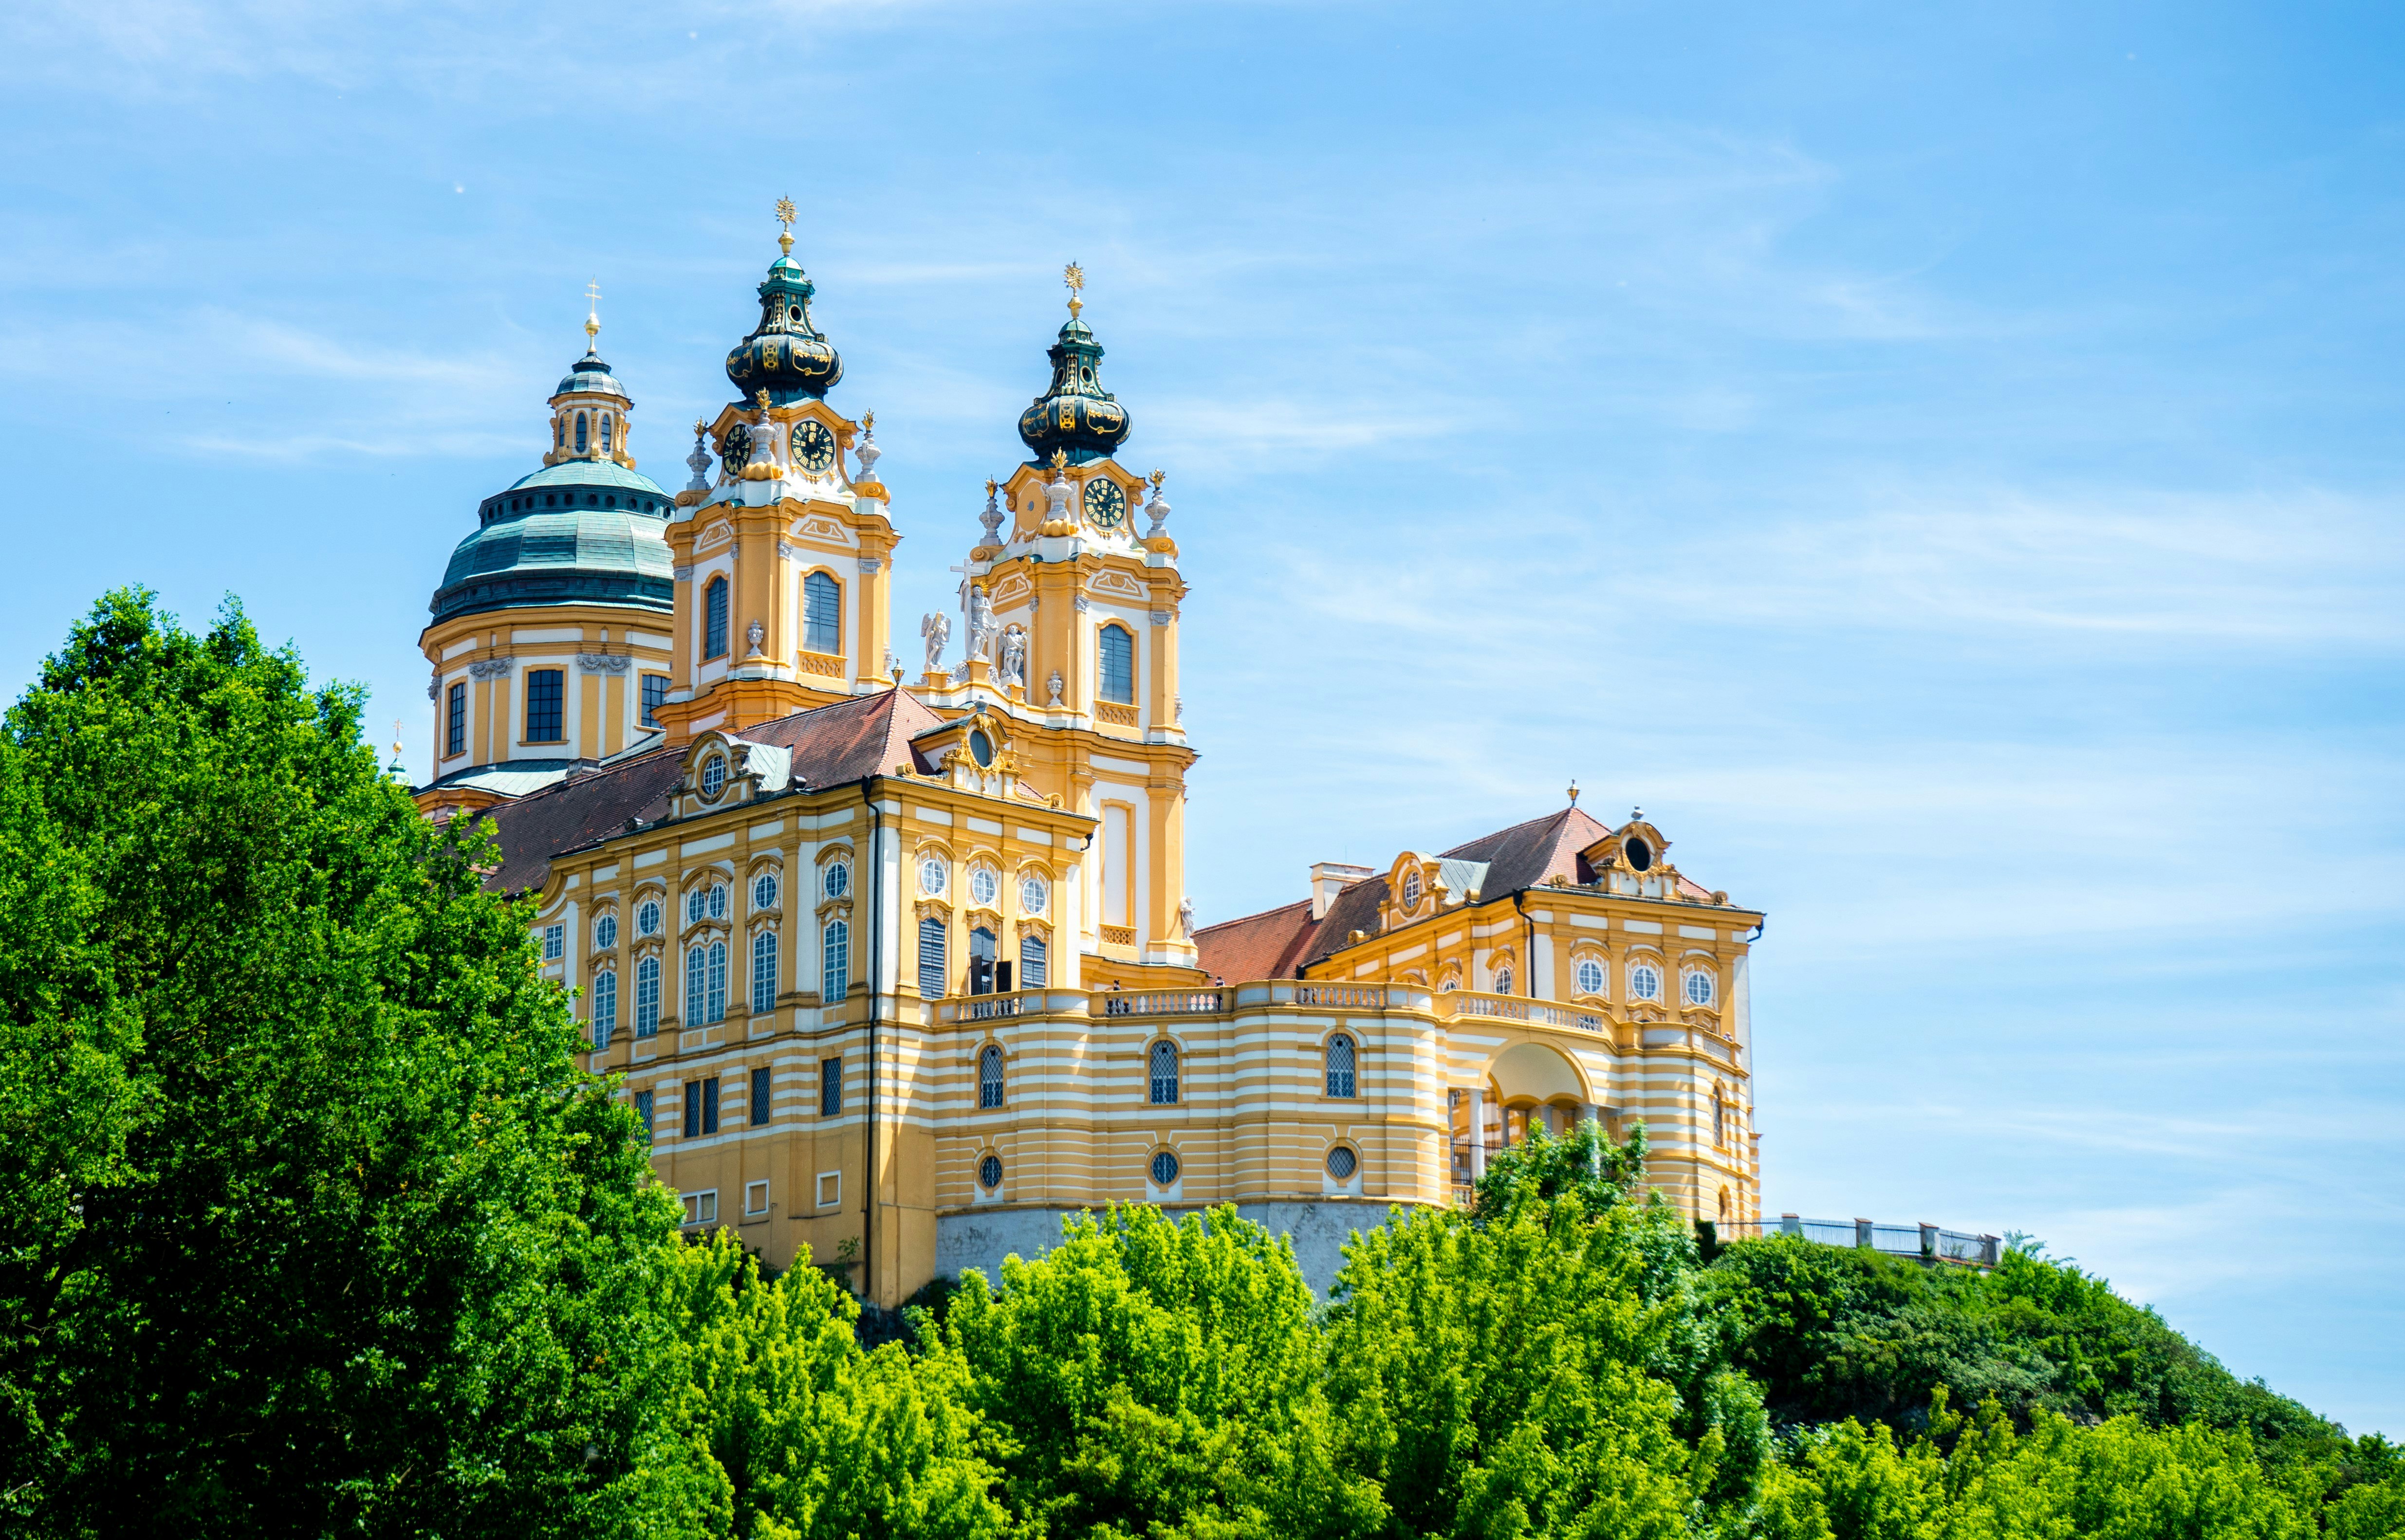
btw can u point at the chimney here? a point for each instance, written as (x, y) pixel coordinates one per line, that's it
(1330, 878)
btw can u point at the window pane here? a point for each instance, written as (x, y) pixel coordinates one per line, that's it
(647, 997)
(696, 984)
(1164, 1074)
(1119, 665)
(692, 1109)
(821, 614)
(932, 967)
(837, 980)
(717, 980)
(714, 629)
(830, 1086)
(1340, 1065)
(710, 1105)
(546, 694)
(1032, 964)
(756, 1107)
(605, 1008)
(990, 1078)
(764, 972)
(655, 689)
(643, 1113)
(454, 731)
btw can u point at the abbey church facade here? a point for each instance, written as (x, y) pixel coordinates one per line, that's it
(897, 962)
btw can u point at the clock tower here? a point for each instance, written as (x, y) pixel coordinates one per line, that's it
(783, 561)
(1080, 634)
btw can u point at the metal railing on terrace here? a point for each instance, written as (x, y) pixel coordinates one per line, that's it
(1930, 1243)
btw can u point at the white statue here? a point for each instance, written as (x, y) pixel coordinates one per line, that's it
(937, 629)
(1185, 917)
(1014, 657)
(980, 608)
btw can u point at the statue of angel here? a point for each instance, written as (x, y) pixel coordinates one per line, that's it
(981, 628)
(1014, 656)
(937, 629)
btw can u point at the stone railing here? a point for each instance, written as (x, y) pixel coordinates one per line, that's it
(1539, 1013)
(1927, 1243)
(825, 664)
(1117, 716)
(1161, 1002)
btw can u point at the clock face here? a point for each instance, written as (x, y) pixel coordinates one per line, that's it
(737, 449)
(813, 447)
(1105, 504)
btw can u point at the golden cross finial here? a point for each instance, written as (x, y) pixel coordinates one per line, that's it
(1573, 793)
(1075, 276)
(592, 313)
(786, 215)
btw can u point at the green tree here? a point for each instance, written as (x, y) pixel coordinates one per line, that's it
(798, 1433)
(1156, 1378)
(308, 1221)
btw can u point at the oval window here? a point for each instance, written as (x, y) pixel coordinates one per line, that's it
(981, 749)
(1644, 983)
(647, 917)
(1343, 1163)
(605, 933)
(1700, 989)
(838, 878)
(714, 776)
(1164, 1169)
(933, 876)
(1640, 855)
(1590, 976)
(985, 885)
(1411, 889)
(764, 892)
(989, 1173)
(1032, 895)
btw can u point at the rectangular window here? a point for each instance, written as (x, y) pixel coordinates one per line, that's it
(755, 1198)
(763, 972)
(1032, 963)
(647, 997)
(932, 966)
(701, 1108)
(758, 1106)
(701, 1208)
(717, 1001)
(546, 706)
(643, 1113)
(821, 615)
(830, 1189)
(1117, 683)
(655, 689)
(605, 1009)
(834, 980)
(713, 618)
(555, 943)
(830, 1086)
(455, 721)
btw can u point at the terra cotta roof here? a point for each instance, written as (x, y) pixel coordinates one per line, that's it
(1262, 945)
(1519, 857)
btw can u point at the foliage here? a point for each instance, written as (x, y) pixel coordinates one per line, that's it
(798, 1433)
(1585, 1162)
(306, 1220)
(1157, 1378)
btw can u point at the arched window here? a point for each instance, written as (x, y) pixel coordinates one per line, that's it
(1340, 1065)
(1118, 664)
(1504, 979)
(1720, 1117)
(1644, 983)
(605, 1009)
(713, 618)
(1164, 1073)
(990, 1078)
(579, 432)
(836, 962)
(647, 997)
(1033, 971)
(764, 972)
(821, 615)
(935, 971)
(558, 436)
(605, 433)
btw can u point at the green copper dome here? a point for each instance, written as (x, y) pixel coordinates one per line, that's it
(1075, 414)
(590, 375)
(578, 532)
(784, 355)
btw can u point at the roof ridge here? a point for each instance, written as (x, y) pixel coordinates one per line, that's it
(581, 777)
(1512, 829)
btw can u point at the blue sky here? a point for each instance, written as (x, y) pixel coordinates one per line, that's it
(1943, 461)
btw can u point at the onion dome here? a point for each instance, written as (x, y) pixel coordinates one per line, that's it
(1075, 414)
(590, 376)
(784, 356)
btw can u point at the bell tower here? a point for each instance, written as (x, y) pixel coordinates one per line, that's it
(1072, 616)
(783, 563)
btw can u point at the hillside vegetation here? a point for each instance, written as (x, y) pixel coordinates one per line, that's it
(309, 1226)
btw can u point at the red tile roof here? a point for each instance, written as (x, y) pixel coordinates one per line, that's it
(1262, 945)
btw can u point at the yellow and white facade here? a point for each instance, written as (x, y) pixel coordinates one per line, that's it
(899, 961)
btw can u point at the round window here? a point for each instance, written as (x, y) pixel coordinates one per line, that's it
(718, 901)
(985, 885)
(1644, 983)
(1032, 895)
(981, 748)
(838, 878)
(764, 892)
(1700, 989)
(714, 776)
(647, 917)
(1411, 890)
(989, 1173)
(1640, 855)
(1343, 1163)
(1590, 976)
(1164, 1169)
(605, 933)
(933, 874)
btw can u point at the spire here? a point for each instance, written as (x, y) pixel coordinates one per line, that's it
(784, 355)
(1075, 413)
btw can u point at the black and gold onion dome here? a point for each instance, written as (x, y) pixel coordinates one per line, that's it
(785, 354)
(1075, 414)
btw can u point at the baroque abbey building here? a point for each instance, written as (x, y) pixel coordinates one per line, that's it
(899, 967)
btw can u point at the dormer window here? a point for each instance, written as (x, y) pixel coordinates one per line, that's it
(1411, 889)
(981, 749)
(1640, 855)
(714, 776)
